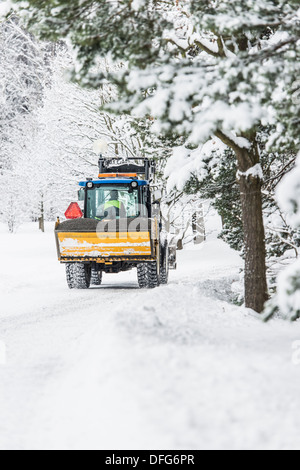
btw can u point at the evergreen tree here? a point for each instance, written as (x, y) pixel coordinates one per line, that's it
(221, 187)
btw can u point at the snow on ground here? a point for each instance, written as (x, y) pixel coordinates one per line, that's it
(119, 368)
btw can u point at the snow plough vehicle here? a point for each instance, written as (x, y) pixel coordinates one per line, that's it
(117, 227)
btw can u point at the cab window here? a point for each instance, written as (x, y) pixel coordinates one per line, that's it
(112, 201)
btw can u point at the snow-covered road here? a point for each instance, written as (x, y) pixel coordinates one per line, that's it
(114, 367)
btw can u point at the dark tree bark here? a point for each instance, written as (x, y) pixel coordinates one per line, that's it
(42, 217)
(180, 245)
(256, 289)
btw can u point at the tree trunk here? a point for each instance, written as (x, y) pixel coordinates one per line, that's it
(42, 217)
(256, 287)
(256, 290)
(194, 226)
(180, 244)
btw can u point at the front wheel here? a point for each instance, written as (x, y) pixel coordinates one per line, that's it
(164, 276)
(78, 275)
(142, 275)
(164, 266)
(153, 276)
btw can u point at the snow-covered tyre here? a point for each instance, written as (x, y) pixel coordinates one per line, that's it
(78, 275)
(164, 276)
(164, 268)
(96, 278)
(142, 276)
(153, 276)
(70, 276)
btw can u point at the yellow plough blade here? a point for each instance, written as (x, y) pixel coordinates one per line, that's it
(104, 245)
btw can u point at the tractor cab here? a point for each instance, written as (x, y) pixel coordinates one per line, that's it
(116, 198)
(122, 191)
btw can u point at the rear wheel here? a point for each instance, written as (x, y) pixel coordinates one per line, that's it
(142, 275)
(153, 276)
(148, 277)
(69, 275)
(78, 275)
(96, 278)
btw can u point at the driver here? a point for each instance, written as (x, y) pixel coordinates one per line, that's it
(113, 208)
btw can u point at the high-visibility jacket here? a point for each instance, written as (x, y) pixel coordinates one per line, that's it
(119, 206)
(116, 204)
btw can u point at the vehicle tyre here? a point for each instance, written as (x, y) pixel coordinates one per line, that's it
(153, 276)
(164, 276)
(78, 275)
(70, 275)
(164, 268)
(96, 277)
(142, 275)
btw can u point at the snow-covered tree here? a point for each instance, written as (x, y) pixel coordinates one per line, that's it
(22, 76)
(58, 149)
(48, 126)
(199, 68)
(220, 186)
